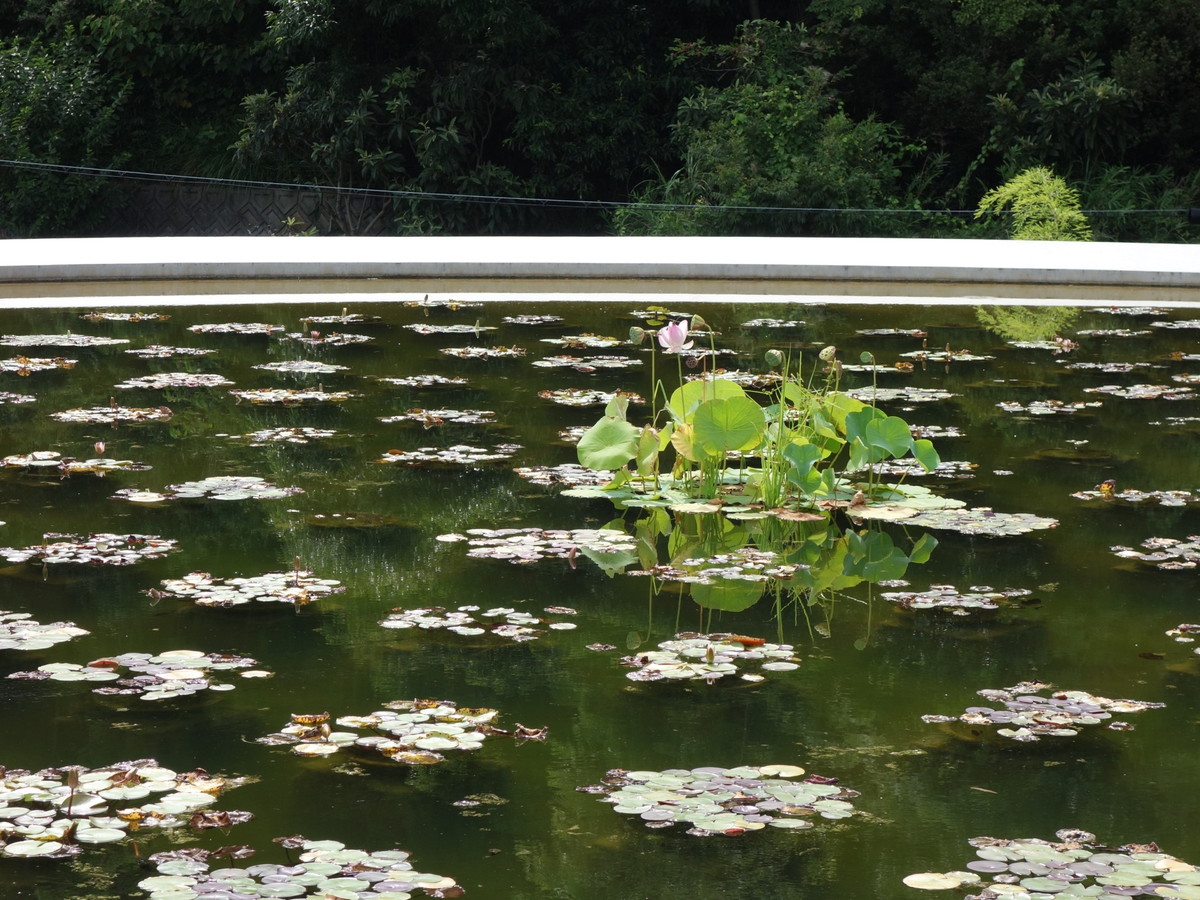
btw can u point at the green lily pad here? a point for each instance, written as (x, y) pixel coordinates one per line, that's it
(113, 415)
(472, 621)
(19, 631)
(709, 657)
(982, 521)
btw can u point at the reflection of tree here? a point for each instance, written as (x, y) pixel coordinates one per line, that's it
(1026, 323)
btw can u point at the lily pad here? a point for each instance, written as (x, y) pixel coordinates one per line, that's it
(293, 396)
(427, 381)
(586, 365)
(162, 351)
(219, 487)
(423, 328)
(1164, 552)
(164, 380)
(58, 340)
(1112, 332)
(45, 461)
(298, 587)
(19, 631)
(760, 381)
(301, 367)
(8, 398)
(904, 394)
(709, 657)
(484, 352)
(586, 341)
(345, 318)
(443, 303)
(102, 316)
(521, 546)
(94, 550)
(1106, 367)
(945, 356)
(235, 328)
(24, 365)
(458, 455)
(774, 323)
(946, 597)
(295, 435)
(1021, 714)
(1176, 324)
(329, 339)
(721, 801)
(435, 418)
(1107, 491)
(566, 474)
(471, 621)
(114, 415)
(529, 319)
(745, 564)
(1143, 391)
(1048, 407)
(982, 520)
(587, 397)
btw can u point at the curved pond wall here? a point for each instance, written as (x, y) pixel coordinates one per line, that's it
(188, 269)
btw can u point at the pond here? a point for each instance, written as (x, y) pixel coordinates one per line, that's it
(366, 475)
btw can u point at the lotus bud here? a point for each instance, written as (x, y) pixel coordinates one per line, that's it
(774, 358)
(827, 354)
(637, 334)
(98, 446)
(698, 323)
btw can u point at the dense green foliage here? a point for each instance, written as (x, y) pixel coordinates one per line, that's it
(681, 117)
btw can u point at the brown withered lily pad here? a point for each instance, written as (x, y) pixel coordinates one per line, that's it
(93, 550)
(709, 657)
(720, 801)
(298, 587)
(19, 631)
(456, 456)
(472, 621)
(435, 418)
(24, 365)
(1164, 552)
(162, 380)
(1021, 712)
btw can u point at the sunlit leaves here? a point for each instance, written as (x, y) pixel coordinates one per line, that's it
(162, 380)
(293, 396)
(217, 487)
(19, 631)
(456, 456)
(472, 621)
(530, 545)
(1164, 552)
(102, 549)
(709, 657)
(297, 588)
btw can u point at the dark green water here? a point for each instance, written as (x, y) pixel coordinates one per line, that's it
(849, 713)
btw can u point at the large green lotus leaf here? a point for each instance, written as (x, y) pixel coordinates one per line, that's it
(890, 433)
(925, 454)
(727, 595)
(687, 397)
(611, 563)
(728, 424)
(609, 444)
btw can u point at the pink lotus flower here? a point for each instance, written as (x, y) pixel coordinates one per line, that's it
(673, 338)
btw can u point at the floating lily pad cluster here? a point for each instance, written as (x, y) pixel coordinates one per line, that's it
(529, 545)
(731, 802)
(235, 328)
(327, 870)
(44, 460)
(443, 303)
(1132, 495)
(1024, 715)
(1130, 310)
(571, 474)
(168, 676)
(471, 621)
(945, 356)
(1164, 552)
(759, 381)
(58, 340)
(102, 549)
(161, 351)
(587, 397)
(1177, 323)
(53, 813)
(892, 332)
(532, 320)
(8, 397)
(774, 323)
(708, 657)
(911, 468)
(100, 316)
(743, 564)
(433, 418)
(904, 394)
(299, 434)
(114, 415)
(1182, 634)
(484, 352)
(163, 380)
(427, 381)
(331, 339)
(959, 603)
(586, 365)
(24, 365)
(293, 396)
(1056, 345)
(410, 732)
(218, 487)
(1048, 407)
(298, 587)
(423, 328)
(1143, 391)
(936, 432)
(1112, 332)
(19, 631)
(458, 455)
(1073, 866)
(586, 341)
(301, 367)
(1116, 368)
(982, 520)
(346, 318)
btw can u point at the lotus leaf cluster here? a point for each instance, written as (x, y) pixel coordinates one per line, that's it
(1025, 715)
(300, 434)
(293, 396)
(982, 520)
(114, 415)
(532, 320)
(587, 397)
(958, 603)
(170, 675)
(718, 801)
(571, 474)
(301, 367)
(1075, 865)
(217, 487)
(58, 340)
(161, 351)
(327, 870)
(427, 381)
(101, 549)
(1143, 391)
(423, 328)
(9, 397)
(708, 657)
(484, 352)
(43, 460)
(235, 328)
(332, 339)
(1048, 407)
(162, 380)
(587, 365)
(1164, 552)
(19, 631)
(433, 418)
(472, 621)
(455, 456)
(52, 813)
(409, 732)
(24, 365)
(100, 316)
(298, 587)
(529, 545)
